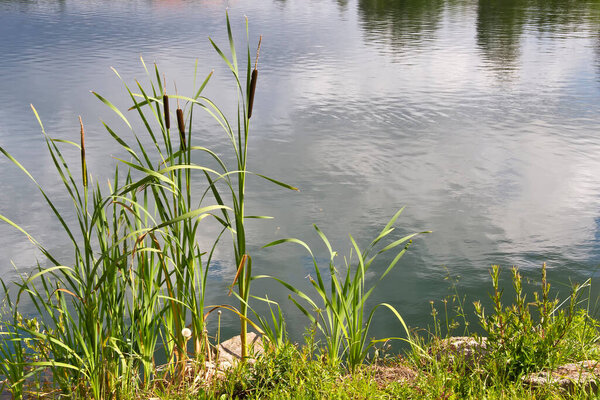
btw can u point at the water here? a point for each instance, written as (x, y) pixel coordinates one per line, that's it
(481, 117)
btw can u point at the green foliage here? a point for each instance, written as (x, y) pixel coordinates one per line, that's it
(239, 139)
(286, 372)
(275, 330)
(341, 315)
(529, 336)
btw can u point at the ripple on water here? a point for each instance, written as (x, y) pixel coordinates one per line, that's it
(483, 120)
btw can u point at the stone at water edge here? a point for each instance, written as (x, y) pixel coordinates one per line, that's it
(583, 374)
(230, 351)
(468, 348)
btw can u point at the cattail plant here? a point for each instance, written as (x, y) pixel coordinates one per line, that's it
(236, 223)
(139, 274)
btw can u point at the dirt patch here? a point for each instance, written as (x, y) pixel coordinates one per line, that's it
(386, 374)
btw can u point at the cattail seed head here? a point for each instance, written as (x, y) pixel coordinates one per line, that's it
(253, 79)
(252, 90)
(166, 111)
(181, 125)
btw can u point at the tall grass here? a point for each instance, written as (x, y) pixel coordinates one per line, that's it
(239, 139)
(340, 311)
(137, 280)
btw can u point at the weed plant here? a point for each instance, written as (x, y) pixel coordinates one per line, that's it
(520, 337)
(523, 340)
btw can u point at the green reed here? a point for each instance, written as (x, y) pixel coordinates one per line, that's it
(227, 185)
(340, 311)
(135, 286)
(239, 139)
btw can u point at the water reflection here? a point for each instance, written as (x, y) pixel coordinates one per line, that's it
(499, 27)
(500, 24)
(562, 16)
(400, 23)
(597, 52)
(365, 105)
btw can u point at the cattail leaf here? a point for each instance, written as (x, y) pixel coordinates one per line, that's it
(195, 213)
(401, 241)
(231, 42)
(143, 102)
(37, 116)
(83, 162)
(243, 261)
(121, 142)
(285, 185)
(112, 107)
(204, 84)
(160, 87)
(66, 142)
(222, 55)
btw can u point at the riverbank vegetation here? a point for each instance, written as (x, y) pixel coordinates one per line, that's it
(126, 316)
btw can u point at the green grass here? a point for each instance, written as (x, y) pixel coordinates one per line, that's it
(340, 311)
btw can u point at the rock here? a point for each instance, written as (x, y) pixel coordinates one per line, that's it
(229, 352)
(468, 348)
(583, 374)
(227, 355)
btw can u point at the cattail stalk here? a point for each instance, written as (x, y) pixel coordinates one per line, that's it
(83, 163)
(253, 81)
(218, 336)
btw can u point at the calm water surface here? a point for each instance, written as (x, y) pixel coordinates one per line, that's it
(481, 117)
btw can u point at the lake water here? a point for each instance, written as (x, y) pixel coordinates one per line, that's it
(481, 117)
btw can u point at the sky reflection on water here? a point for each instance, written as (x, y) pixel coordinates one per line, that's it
(480, 116)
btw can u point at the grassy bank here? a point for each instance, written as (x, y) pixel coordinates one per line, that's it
(520, 339)
(125, 316)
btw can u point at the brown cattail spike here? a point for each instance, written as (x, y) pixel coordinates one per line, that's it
(180, 121)
(83, 163)
(166, 106)
(181, 124)
(252, 90)
(166, 110)
(253, 80)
